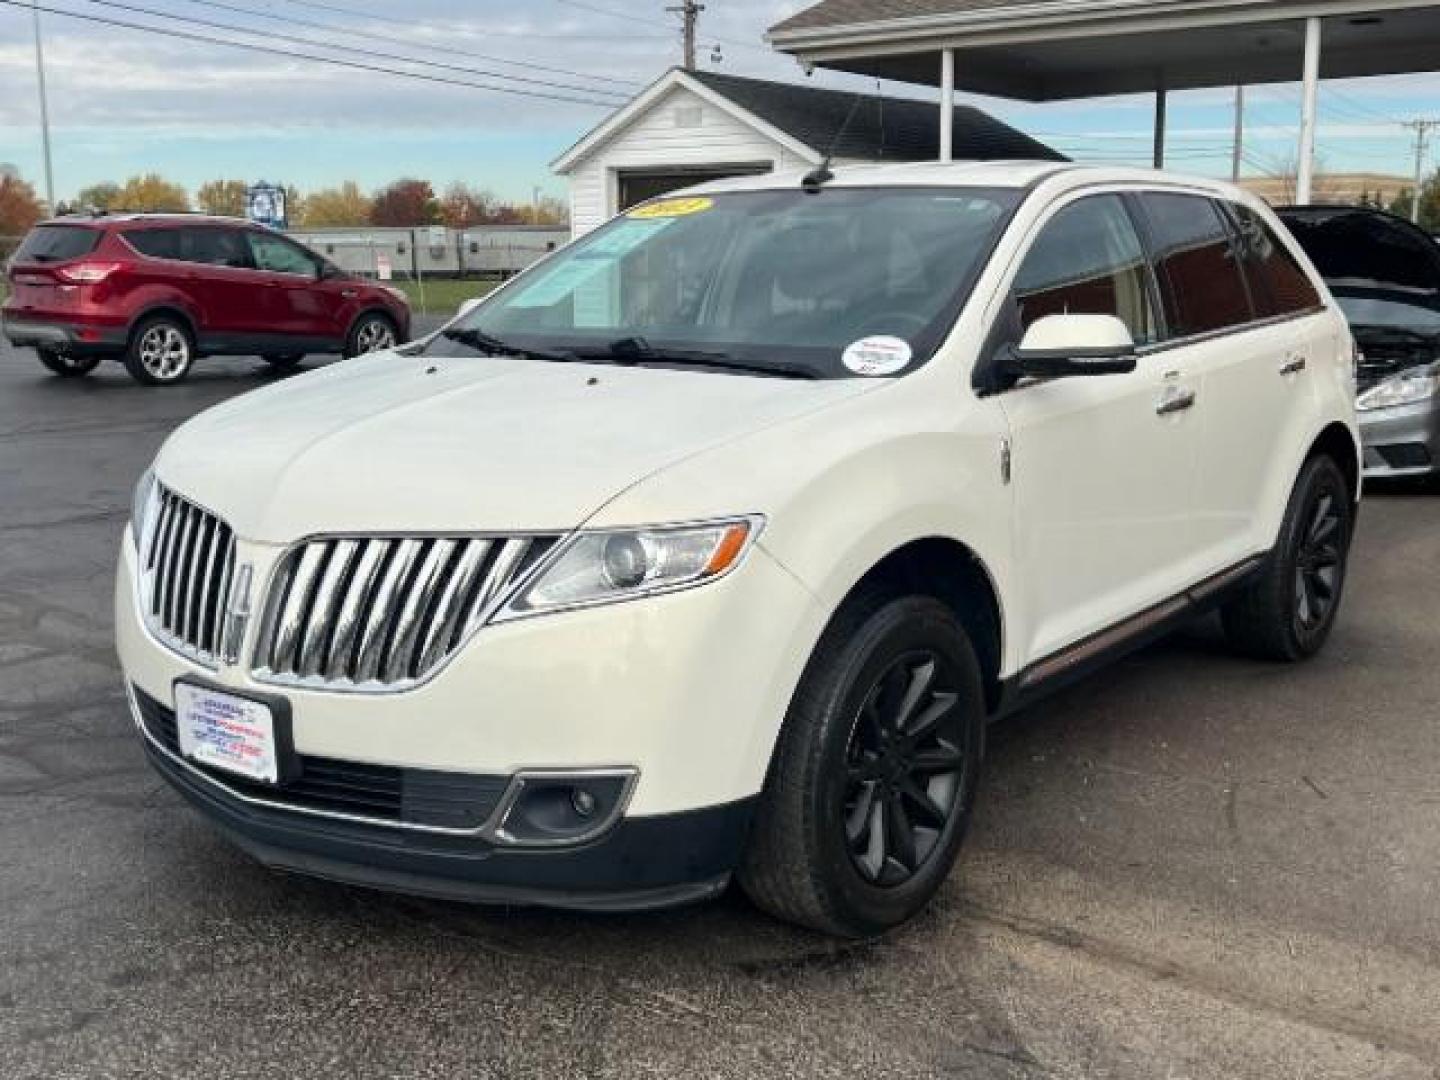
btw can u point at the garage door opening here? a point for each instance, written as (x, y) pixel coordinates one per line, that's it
(636, 187)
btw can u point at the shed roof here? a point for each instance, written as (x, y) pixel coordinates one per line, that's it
(810, 119)
(881, 128)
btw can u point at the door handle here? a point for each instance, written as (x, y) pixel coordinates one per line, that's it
(348, 294)
(1175, 399)
(1294, 365)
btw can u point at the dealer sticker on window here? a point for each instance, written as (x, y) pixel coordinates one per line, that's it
(672, 208)
(880, 355)
(226, 732)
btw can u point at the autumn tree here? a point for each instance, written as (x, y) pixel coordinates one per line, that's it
(152, 192)
(464, 207)
(333, 208)
(100, 196)
(224, 197)
(551, 211)
(406, 203)
(20, 207)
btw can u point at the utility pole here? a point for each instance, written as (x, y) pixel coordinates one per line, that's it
(689, 12)
(1422, 129)
(1239, 152)
(44, 109)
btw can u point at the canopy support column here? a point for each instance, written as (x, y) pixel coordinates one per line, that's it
(1305, 168)
(1160, 107)
(947, 104)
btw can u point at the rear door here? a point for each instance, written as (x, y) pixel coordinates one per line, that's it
(1104, 467)
(220, 278)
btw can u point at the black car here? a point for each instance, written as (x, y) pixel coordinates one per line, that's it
(1385, 274)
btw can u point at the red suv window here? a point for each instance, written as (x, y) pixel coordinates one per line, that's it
(57, 243)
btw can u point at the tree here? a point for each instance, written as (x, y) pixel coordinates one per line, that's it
(552, 211)
(20, 207)
(152, 192)
(406, 202)
(100, 196)
(464, 207)
(225, 197)
(333, 208)
(1429, 203)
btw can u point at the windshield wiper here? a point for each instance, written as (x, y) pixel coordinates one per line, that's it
(493, 346)
(636, 350)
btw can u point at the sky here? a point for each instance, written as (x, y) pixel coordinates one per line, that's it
(126, 100)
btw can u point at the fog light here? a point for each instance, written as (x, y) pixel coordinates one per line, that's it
(550, 808)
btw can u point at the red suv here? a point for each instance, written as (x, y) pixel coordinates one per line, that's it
(156, 291)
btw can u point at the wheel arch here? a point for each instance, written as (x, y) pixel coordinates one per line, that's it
(954, 574)
(372, 309)
(1337, 441)
(175, 311)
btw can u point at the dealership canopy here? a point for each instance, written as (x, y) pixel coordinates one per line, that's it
(1049, 50)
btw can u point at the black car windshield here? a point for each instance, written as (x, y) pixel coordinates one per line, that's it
(846, 282)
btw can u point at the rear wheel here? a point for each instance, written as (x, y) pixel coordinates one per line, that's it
(161, 351)
(284, 361)
(67, 366)
(874, 777)
(1288, 611)
(371, 333)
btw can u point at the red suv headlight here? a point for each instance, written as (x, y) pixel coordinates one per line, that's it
(87, 273)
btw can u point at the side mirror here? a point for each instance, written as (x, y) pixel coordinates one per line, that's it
(467, 306)
(1060, 346)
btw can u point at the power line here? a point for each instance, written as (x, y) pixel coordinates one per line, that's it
(335, 61)
(291, 39)
(332, 28)
(372, 17)
(599, 9)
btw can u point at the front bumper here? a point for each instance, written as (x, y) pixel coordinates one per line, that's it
(74, 339)
(1403, 441)
(687, 690)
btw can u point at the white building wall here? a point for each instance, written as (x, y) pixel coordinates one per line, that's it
(680, 130)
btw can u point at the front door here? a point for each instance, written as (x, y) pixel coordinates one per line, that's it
(1104, 466)
(302, 305)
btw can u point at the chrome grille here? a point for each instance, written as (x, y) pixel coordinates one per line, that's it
(380, 613)
(188, 562)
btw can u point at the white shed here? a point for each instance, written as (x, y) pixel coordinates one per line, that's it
(692, 126)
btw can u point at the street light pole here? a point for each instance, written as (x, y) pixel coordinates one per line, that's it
(44, 109)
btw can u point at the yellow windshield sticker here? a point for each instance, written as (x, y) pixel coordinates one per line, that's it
(669, 208)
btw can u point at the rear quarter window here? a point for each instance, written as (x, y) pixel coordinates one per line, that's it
(1279, 286)
(57, 243)
(1199, 274)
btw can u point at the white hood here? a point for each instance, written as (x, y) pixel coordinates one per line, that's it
(410, 444)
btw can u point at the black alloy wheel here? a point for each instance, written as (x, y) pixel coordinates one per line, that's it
(904, 766)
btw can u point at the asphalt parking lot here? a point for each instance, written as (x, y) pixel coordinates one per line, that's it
(1188, 867)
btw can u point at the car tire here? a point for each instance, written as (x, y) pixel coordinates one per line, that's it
(66, 365)
(371, 333)
(1287, 612)
(284, 361)
(889, 716)
(161, 351)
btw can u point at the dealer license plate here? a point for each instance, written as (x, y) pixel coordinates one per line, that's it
(226, 732)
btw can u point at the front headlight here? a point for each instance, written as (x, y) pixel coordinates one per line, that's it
(1407, 388)
(142, 505)
(603, 567)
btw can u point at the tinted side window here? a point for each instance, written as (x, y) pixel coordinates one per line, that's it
(157, 243)
(1278, 284)
(215, 247)
(1199, 274)
(1088, 261)
(281, 256)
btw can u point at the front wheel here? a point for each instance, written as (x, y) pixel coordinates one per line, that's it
(870, 791)
(371, 333)
(66, 365)
(1288, 611)
(161, 352)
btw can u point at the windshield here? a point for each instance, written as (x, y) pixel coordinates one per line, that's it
(841, 283)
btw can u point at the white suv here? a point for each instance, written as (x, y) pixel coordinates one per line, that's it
(709, 546)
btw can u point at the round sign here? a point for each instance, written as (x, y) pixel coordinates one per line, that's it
(880, 355)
